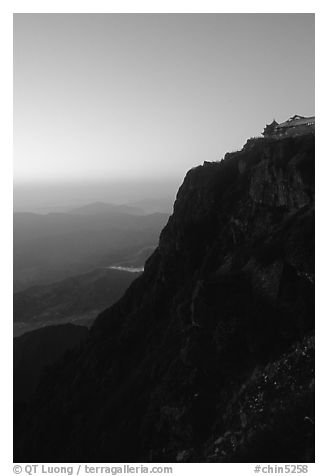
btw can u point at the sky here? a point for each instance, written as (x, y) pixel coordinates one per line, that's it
(142, 98)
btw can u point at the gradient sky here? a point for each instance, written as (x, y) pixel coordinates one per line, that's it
(138, 97)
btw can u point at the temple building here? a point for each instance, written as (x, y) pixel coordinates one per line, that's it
(296, 125)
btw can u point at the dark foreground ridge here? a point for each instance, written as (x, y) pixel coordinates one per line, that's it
(36, 350)
(209, 354)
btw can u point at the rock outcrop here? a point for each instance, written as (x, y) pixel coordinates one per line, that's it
(209, 354)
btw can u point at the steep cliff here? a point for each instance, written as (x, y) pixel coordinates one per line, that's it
(209, 354)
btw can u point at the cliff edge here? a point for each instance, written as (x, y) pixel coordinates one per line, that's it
(208, 357)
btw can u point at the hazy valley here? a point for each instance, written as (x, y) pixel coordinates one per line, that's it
(70, 266)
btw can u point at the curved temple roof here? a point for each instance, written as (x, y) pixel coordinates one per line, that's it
(296, 121)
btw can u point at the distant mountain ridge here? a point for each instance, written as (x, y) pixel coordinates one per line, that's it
(155, 205)
(97, 208)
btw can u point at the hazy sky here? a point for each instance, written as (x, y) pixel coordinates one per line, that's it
(136, 97)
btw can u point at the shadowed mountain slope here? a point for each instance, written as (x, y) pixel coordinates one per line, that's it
(34, 351)
(209, 354)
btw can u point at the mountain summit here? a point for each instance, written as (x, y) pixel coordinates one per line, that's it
(208, 357)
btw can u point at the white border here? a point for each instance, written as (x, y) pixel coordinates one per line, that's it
(168, 6)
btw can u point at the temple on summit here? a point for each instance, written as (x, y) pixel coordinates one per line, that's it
(296, 125)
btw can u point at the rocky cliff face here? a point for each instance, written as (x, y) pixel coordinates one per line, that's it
(209, 354)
